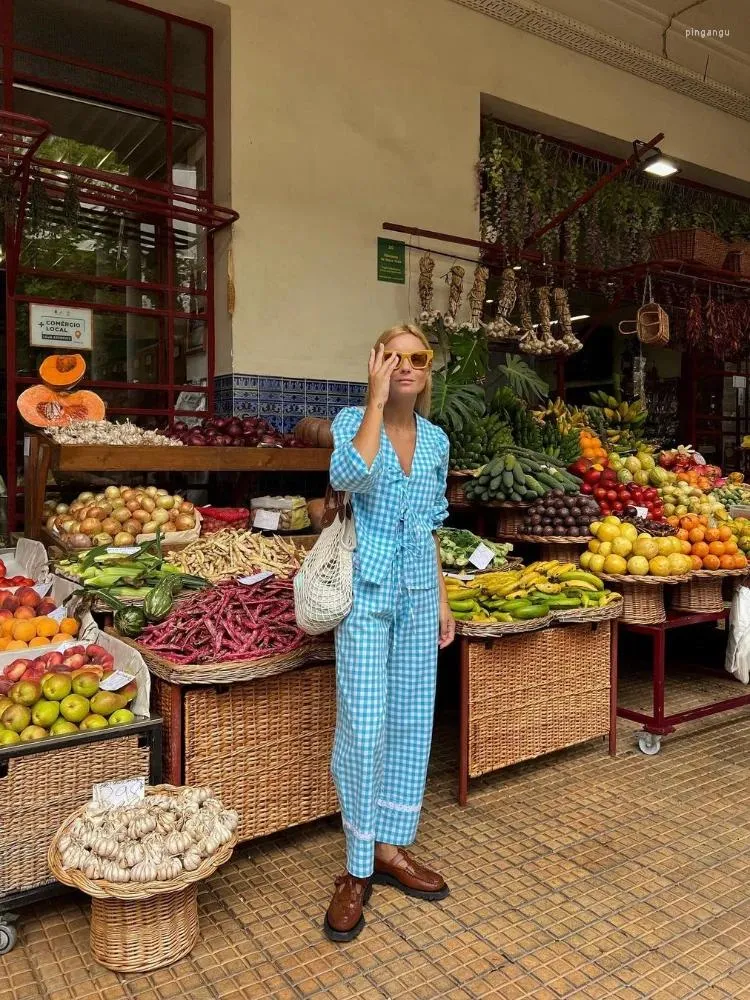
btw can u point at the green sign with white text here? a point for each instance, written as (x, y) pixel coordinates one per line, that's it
(391, 261)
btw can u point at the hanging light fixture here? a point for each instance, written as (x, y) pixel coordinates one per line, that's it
(652, 161)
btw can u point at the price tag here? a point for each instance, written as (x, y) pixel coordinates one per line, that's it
(58, 614)
(267, 520)
(699, 459)
(258, 578)
(482, 556)
(641, 511)
(111, 794)
(116, 680)
(123, 550)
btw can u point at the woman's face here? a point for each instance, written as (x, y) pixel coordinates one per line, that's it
(405, 380)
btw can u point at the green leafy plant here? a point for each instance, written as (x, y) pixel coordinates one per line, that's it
(455, 402)
(521, 379)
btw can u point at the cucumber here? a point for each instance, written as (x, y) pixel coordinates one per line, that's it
(496, 483)
(515, 496)
(508, 480)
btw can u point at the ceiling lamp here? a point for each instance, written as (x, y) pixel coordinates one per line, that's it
(652, 161)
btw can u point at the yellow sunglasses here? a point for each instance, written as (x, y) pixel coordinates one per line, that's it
(419, 360)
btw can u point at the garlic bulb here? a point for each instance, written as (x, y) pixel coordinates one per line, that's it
(143, 872)
(178, 843)
(191, 860)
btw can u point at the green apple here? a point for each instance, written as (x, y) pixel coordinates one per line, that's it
(61, 727)
(122, 717)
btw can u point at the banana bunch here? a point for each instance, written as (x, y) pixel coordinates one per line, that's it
(527, 592)
(620, 413)
(567, 418)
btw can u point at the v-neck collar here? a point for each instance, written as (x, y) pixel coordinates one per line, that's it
(406, 475)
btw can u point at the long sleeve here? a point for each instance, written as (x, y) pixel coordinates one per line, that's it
(349, 470)
(440, 504)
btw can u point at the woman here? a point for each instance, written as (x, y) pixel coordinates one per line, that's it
(394, 463)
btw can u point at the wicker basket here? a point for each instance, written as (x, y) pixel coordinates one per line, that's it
(264, 747)
(511, 517)
(40, 790)
(699, 595)
(489, 630)
(140, 926)
(564, 552)
(533, 694)
(232, 671)
(699, 246)
(455, 490)
(585, 615)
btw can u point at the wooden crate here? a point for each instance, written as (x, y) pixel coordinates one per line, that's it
(263, 746)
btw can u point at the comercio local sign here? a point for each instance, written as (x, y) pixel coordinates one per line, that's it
(61, 326)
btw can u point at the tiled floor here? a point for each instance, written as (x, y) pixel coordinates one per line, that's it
(576, 876)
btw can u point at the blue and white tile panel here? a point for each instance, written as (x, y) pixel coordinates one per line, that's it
(285, 401)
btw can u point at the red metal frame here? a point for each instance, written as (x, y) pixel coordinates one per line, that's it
(126, 198)
(659, 723)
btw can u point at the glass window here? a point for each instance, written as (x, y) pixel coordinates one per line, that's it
(53, 72)
(117, 140)
(188, 57)
(184, 104)
(190, 359)
(72, 290)
(102, 32)
(189, 158)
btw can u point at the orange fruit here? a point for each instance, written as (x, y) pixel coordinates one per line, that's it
(6, 627)
(712, 534)
(15, 644)
(730, 547)
(59, 637)
(24, 612)
(69, 626)
(4, 644)
(686, 547)
(24, 630)
(716, 548)
(726, 562)
(700, 549)
(696, 562)
(673, 520)
(696, 534)
(711, 562)
(682, 534)
(46, 627)
(740, 560)
(725, 533)
(38, 640)
(702, 519)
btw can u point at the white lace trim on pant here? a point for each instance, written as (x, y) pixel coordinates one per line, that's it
(398, 806)
(356, 832)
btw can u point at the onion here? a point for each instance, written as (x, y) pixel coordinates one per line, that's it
(110, 525)
(148, 503)
(162, 493)
(124, 538)
(234, 429)
(127, 495)
(184, 522)
(97, 512)
(238, 442)
(160, 516)
(142, 515)
(133, 526)
(69, 526)
(150, 528)
(103, 538)
(186, 507)
(179, 425)
(221, 422)
(133, 504)
(91, 526)
(77, 541)
(165, 503)
(112, 492)
(51, 522)
(61, 508)
(151, 491)
(99, 498)
(196, 439)
(82, 514)
(121, 514)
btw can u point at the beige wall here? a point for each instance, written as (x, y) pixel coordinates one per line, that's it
(345, 114)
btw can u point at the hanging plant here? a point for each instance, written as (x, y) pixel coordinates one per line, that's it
(38, 206)
(71, 208)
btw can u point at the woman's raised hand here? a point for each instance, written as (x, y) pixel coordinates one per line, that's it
(380, 372)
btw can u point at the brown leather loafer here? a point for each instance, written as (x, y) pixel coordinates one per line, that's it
(344, 919)
(410, 877)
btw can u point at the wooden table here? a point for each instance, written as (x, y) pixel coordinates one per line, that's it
(42, 455)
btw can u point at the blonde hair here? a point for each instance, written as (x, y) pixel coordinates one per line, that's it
(424, 399)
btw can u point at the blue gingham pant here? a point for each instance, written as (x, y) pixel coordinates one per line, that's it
(386, 665)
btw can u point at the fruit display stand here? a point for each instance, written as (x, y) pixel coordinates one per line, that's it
(552, 547)
(43, 456)
(528, 694)
(643, 596)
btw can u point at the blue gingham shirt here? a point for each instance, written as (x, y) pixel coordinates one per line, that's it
(394, 514)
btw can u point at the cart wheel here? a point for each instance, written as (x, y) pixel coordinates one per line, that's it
(649, 743)
(7, 938)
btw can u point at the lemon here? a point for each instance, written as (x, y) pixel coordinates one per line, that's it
(605, 549)
(594, 545)
(638, 566)
(608, 531)
(615, 564)
(629, 531)
(646, 546)
(664, 545)
(594, 527)
(585, 559)
(596, 565)
(678, 563)
(659, 566)
(622, 546)
(611, 519)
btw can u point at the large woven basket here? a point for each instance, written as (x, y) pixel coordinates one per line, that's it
(696, 245)
(704, 591)
(533, 694)
(494, 630)
(138, 927)
(40, 790)
(510, 516)
(455, 490)
(232, 671)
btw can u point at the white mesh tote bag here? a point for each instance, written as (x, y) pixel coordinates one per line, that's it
(323, 587)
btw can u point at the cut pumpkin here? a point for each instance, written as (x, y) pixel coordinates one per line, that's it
(41, 406)
(62, 371)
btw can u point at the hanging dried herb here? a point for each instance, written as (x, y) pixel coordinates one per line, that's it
(37, 206)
